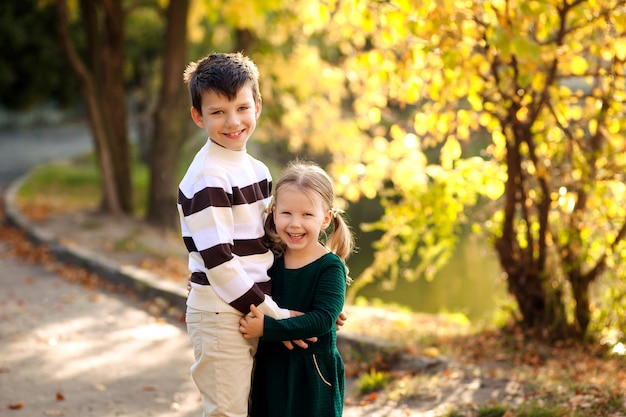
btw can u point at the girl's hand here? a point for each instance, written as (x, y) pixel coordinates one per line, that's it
(251, 325)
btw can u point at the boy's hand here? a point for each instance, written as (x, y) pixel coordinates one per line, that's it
(251, 325)
(341, 320)
(289, 344)
(188, 285)
(295, 313)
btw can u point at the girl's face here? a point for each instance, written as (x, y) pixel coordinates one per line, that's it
(228, 123)
(300, 219)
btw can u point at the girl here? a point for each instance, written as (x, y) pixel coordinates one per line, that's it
(308, 276)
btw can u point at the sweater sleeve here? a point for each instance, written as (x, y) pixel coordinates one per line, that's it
(271, 309)
(321, 318)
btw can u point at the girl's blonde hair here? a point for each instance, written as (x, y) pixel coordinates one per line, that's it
(312, 180)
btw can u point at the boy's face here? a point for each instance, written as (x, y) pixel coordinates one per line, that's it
(228, 123)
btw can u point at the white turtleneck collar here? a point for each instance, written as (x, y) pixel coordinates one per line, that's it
(224, 154)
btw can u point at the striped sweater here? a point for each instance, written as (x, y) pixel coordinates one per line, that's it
(221, 203)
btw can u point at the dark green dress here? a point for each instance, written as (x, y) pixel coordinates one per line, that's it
(302, 382)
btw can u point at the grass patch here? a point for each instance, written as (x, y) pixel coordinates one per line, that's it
(373, 381)
(76, 185)
(62, 186)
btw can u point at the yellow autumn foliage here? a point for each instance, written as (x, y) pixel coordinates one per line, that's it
(422, 103)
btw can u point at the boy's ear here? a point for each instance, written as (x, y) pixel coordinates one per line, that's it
(259, 107)
(197, 117)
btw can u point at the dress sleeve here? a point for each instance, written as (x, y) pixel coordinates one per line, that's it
(327, 304)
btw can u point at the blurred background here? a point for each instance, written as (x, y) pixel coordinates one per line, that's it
(477, 148)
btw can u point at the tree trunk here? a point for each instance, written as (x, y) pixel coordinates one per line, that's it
(523, 284)
(114, 95)
(102, 89)
(582, 315)
(171, 119)
(541, 307)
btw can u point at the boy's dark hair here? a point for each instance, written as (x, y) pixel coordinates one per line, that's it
(222, 73)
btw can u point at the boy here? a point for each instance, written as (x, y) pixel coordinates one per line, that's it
(221, 202)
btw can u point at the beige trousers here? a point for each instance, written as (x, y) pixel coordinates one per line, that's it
(223, 363)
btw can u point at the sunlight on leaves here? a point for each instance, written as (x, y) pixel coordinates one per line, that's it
(579, 65)
(435, 107)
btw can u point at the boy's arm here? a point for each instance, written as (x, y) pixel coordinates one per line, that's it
(271, 309)
(208, 227)
(280, 313)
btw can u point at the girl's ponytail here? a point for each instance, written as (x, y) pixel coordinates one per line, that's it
(340, 241)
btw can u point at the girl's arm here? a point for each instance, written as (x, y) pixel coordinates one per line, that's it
(318, 320)
(252, 326)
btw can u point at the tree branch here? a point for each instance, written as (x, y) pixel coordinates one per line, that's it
(68, 46)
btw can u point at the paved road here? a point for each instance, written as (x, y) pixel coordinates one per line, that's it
(22, 149)
(99, 352)
(67, 350)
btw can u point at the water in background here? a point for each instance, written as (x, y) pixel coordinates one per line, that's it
(470, 283)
